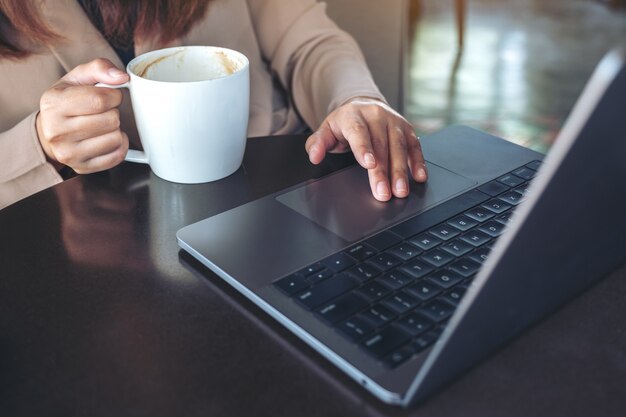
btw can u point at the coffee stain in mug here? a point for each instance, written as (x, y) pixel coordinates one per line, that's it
(141, 71)
(229, 66)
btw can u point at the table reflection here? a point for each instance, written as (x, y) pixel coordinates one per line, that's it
(128, 217)
(99, 225)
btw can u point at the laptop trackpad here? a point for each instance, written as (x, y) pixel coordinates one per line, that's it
(343, 203)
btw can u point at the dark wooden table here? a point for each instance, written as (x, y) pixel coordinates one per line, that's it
(101, 314)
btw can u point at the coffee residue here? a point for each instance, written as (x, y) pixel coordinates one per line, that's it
(220, 59)
(141, 72)
(229, 66)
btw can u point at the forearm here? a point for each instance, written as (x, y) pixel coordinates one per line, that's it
(320, 65)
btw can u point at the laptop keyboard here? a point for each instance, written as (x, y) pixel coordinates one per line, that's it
(393, 293)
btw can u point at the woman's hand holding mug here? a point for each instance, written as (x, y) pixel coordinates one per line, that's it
(78, 124)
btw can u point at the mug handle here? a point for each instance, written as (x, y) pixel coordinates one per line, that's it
(132, 155)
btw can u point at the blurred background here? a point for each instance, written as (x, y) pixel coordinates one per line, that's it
(513, 68)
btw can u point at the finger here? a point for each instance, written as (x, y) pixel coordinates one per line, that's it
(379, 175)
(321, 141)
(80, 100)
(398, 162)
(56, 128)
(416, 160)
(93, 125)
(99, 70)
(355, 131)
(77, 128)
(94, 154)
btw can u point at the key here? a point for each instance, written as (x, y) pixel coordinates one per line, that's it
(338, 262)
(291, 284)
(496, 205)
(457, 247)
(445, 279)
(425, 241)
(465, 267)
(383, 240)
(400, 303)
(511, 180)
(383, 342)
(492, 228)
(463, 223)
(416, 268)
(363, 272)
(355, 328)
(377, 315)
(326, 291)
(512, 197)
(384, 261)
(437, 310)
(444, 231)
(437, 258)
(493, 188)
(341, 308)
(525, 173)
(360, 251)
(374, 290)
(415, 324)
(395, 279)
(424, 290)
(405, 251)
(311, 269)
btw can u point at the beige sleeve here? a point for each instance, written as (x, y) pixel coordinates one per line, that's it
(23, 166)
(320, 65)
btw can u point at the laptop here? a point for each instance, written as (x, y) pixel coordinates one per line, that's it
(404, 296)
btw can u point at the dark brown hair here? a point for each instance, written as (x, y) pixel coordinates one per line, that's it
(120, 21)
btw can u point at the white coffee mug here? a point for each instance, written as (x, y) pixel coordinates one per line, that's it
(191, 107)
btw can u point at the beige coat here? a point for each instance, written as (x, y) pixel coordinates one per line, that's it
(291, 44)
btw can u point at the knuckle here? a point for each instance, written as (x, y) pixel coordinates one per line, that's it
(121, 141)
(357, 127)
(399, 144)
(50, 132)
(81, 169)
(399, 172)
(99, 63)
(112, 120)
(417, 144)
(97, 102)
(64, 156)
(380, 173)
(377, 111)
(116, 95)
(48, 99)
(119, 154)
(413, 141)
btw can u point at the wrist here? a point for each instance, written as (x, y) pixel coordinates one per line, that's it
(365, 99)
(47, 152)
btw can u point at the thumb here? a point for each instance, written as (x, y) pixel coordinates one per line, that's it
(99, 70)
(320, 142)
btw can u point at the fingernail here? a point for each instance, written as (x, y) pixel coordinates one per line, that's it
(369, 159)
(116, 72)
(421, 173)
(381, 189)
(401, 185)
